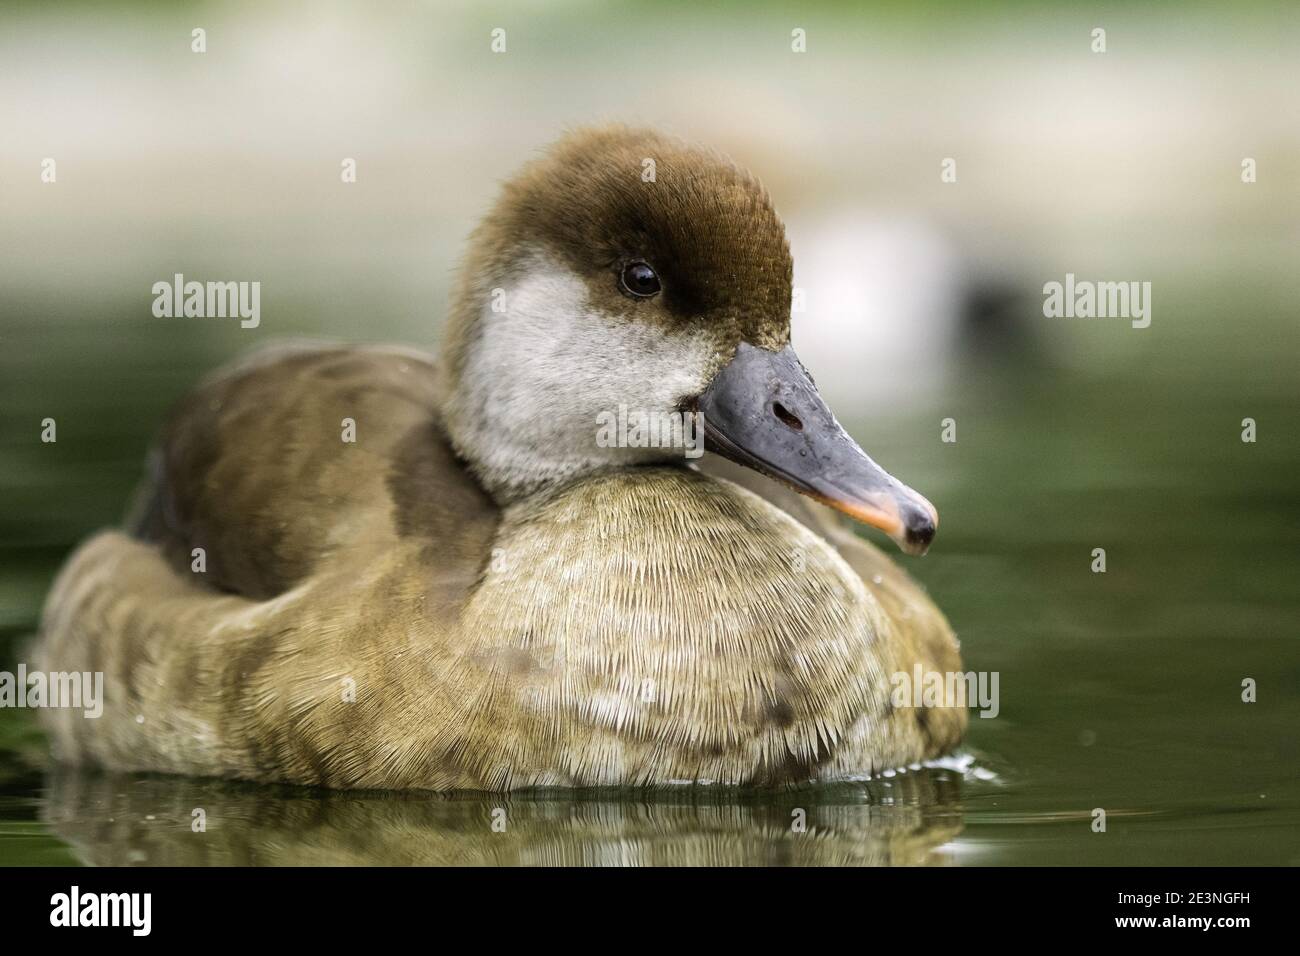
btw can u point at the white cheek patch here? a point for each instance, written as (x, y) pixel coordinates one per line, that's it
(544, 367)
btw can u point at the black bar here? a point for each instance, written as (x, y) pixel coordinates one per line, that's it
(970, 906)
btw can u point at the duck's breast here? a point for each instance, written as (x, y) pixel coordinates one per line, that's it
(659, 624)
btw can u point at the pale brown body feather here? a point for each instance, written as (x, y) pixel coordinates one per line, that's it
(641, 627)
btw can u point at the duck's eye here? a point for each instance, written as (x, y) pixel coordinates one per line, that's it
(640, 280)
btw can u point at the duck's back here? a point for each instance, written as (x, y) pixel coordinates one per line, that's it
(272, 465)
(302, 508)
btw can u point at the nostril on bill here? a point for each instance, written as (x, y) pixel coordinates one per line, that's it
(787, 416)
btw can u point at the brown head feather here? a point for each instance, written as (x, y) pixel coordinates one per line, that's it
(705, 225)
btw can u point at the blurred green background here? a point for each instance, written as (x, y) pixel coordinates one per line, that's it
(923, 302)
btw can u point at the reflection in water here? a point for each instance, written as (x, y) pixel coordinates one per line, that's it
(117, 820)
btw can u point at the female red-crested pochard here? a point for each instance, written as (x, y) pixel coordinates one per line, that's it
(366, 567)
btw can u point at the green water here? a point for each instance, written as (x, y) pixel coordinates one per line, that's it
(1119, 691)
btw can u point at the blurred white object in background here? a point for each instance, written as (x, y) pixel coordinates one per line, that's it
(883, 301)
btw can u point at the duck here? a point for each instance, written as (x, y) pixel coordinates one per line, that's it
(369, 567)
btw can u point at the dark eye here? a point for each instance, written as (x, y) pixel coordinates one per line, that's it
(640, 280)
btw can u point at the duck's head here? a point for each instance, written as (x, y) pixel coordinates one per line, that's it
(628, 274)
